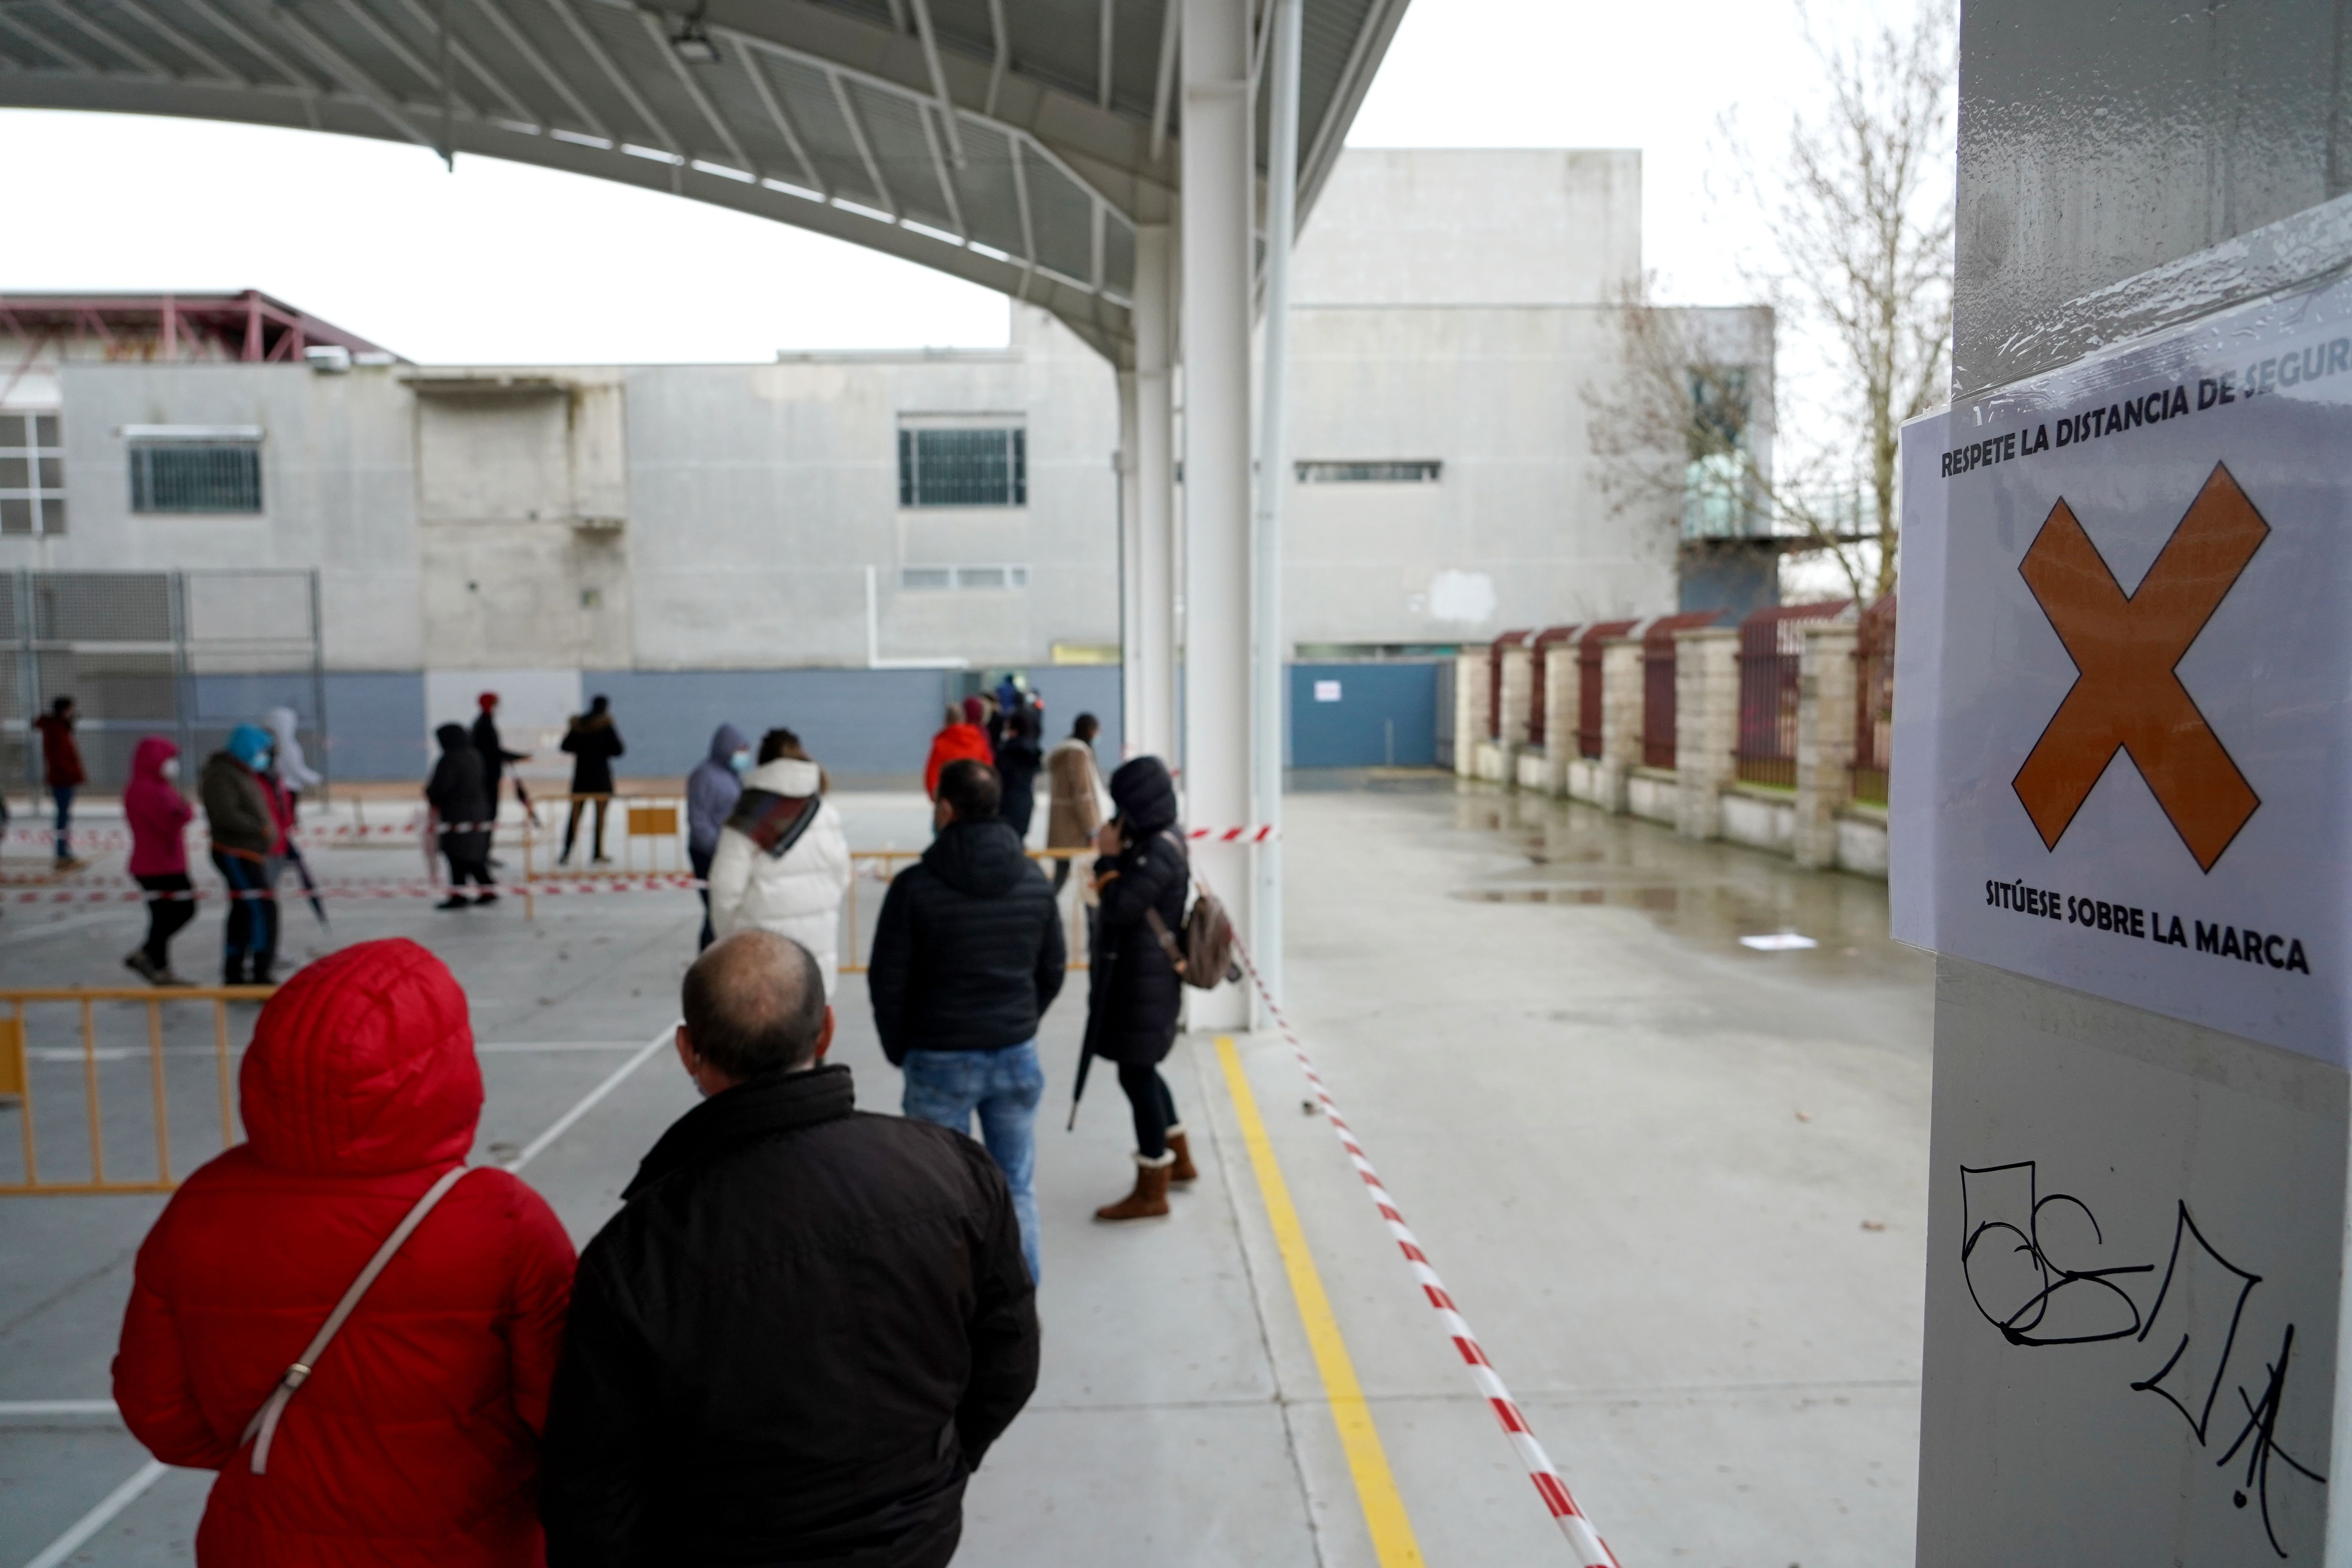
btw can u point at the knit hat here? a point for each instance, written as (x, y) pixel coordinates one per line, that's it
(248, 743)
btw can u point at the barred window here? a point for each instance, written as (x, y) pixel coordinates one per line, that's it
(195, 475)
(32, 474)
(1422, 472)
(963, 468)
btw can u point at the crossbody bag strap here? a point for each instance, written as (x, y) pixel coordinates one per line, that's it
(1151, 916)
(264, 1423)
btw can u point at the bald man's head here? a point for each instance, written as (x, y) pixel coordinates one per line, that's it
(755, 1002)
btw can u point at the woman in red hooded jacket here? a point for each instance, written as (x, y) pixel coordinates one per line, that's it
(158, 814)
(415, 1439)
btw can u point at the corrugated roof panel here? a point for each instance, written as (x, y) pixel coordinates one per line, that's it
(984, 187)
(1062, 214)
(807, 94)
(895, 132)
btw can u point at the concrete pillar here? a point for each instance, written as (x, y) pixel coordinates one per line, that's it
(1151, 634)
(1620, 717)
(2159, 1429)
(1707, 726)
(1216, 246)
(1563, 692)
(1518, 668)
(1470, 678)
(1825, 678)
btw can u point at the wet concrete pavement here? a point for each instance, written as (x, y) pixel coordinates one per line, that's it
(1676, 1183)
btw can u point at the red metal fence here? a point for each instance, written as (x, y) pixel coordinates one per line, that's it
(1771, 643)
(1873, 701)
(1658, 683)
(1587, 682)
(1537, 680)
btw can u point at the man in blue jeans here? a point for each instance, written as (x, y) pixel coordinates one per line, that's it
(966, 959)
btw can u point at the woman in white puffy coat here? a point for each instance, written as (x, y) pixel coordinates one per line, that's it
(773, 870)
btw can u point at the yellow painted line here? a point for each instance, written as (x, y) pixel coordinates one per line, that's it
(1368, 1463)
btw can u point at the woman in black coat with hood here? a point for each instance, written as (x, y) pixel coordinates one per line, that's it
(459, 795)
(1134, 991)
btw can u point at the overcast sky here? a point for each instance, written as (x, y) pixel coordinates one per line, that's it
(498, 262)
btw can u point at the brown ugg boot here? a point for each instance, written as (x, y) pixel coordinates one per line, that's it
(1183, 1169)
(1149, 1199)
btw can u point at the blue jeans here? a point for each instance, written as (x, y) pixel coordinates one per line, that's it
(1004, 1085)
(63, 796)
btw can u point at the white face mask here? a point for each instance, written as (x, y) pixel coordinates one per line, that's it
(741, 761)
(170, 768)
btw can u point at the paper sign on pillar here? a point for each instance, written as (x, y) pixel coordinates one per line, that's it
(2124, 767)
(2124, 681)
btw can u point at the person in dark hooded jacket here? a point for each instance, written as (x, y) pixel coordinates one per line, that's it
(1019, 759)
(245, 833)
(592, 741)
(1134, 992)
(461, 800)
(711, 791)
(967, 957)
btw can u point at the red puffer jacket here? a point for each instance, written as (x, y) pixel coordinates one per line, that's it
(415, 1439)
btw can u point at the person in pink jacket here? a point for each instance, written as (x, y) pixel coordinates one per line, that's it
(158, 814)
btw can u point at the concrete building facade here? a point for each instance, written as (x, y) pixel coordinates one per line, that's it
(842, 541)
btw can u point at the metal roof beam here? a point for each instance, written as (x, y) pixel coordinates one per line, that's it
(522, 112)
(865, 147)
(939, 167)
(251, 42)
(783, 122)
(613, 74)
(1163, 88)
(182, 42)
(1102, 55)
(1001, 44)
(521, 44)
(397, 47)
(342, 69)
(42, 41)
(137, 57)
(939, 78)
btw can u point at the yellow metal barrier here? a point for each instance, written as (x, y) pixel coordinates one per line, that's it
(653, 821)
(16, 1058)
(893, 858)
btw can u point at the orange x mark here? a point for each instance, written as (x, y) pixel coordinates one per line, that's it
(2126, 647)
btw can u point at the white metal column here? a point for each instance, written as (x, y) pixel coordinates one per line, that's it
(1216, 332)
(1152, 723)
(1269, 670)
(1131, 555)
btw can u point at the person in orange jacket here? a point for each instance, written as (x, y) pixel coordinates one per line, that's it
(960, 738)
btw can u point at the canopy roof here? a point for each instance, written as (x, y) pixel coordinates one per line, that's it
(1015, 143)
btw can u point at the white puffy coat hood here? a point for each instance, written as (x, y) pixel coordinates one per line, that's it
(799, 895)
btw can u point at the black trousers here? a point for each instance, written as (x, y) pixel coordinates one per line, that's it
(701, 859)
(166, 916)
(1154, 1107)
(463, 871)
(571, 824)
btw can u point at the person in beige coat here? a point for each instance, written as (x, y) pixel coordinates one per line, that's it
(1074, 814)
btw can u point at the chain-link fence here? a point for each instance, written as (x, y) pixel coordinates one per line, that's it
(188, 655)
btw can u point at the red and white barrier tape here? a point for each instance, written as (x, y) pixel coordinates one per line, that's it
(109, 893)
(1582, 1537)
(1264, 833)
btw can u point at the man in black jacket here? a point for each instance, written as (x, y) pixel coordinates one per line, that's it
(967, 957)
(805, 1327)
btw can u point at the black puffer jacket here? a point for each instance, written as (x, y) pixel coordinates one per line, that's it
(1134, 992)
(791, 1345)
(968, 954)
(593, 742)
(457, 793)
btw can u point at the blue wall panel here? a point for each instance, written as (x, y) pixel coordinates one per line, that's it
(375, 726)
(1386, 714)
